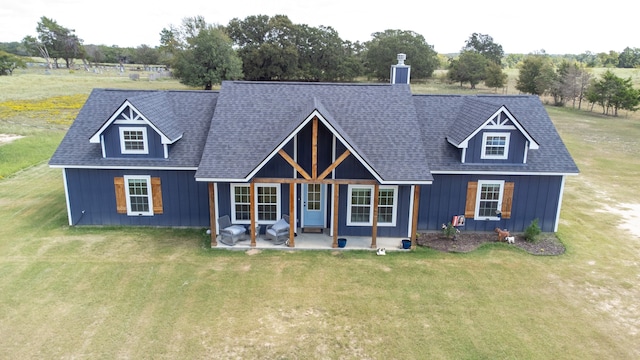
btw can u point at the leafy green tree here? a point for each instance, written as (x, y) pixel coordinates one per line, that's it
(146, 55)
(469, 67)
(60, 42)
(495, 77)
(383, 49)
(485, 45)
(10, 62)
(609, 60)
(267, 46)
(613, 93)
(536, 74)
(629, 58)
(207, 59)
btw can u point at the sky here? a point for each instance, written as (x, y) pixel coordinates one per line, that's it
(555, 26)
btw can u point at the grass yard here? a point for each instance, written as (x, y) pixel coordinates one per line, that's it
(131, 293)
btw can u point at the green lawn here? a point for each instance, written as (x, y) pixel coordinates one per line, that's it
(87, 293)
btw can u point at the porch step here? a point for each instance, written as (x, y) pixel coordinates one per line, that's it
(315, 230)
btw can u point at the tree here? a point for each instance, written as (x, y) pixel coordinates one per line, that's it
(382, 50)
(495, 77)
(57, 42)
(10, 62)
(629, 58)
(485, 45)
(207, 59)
(613, 93)
(470, 67)
(536, 74)
(146, 55)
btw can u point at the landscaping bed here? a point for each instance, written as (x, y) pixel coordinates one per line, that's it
(547, 243)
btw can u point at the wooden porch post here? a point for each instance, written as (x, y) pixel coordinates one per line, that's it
(414, 224)
(336, 192)
(252, 215)
(374, 228)
(292, 216)
(212, 214)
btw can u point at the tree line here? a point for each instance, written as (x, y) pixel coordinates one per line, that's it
(274, 48)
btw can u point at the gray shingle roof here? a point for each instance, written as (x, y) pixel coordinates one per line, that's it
(253, 118)
(194, 110)
(438, 112)
(226, 135)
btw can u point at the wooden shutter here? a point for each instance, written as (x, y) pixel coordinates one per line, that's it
(121, 195)
(470, 207)
(507, 200)
(156, 193)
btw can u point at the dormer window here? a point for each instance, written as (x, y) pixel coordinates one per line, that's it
(133, 140)
(495, 145)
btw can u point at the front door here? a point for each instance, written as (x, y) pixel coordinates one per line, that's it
(313, 201)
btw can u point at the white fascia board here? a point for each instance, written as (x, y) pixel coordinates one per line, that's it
(478, 172)
(116, 167)
(95, 139)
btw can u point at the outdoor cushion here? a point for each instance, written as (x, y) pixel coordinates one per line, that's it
(235, 229)
(280, 225)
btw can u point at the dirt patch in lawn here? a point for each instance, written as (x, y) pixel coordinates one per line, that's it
(7, 138)
(547, 244)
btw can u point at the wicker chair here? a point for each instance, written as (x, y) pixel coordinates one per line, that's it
(278, 233)
(229, 233)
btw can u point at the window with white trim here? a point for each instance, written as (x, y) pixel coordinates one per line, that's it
(138, 195)
(489, 199)
(360, 205)
(133, 140)
(267, 200)
(495, 145)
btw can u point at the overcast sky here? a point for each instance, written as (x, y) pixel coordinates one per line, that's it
(557, 26)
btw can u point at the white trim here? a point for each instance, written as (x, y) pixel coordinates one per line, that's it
(117, 167)
(215, 207)
(166, 150)
(555, 225)
(370, 222)
(411, 196)
(164, 139)
(489, 122)
(297, 130)
(102, 146)
(66, 196)
(483, 151)
(149, 195)
(526, 152)
(464, 155)
(480, 172)
(255, 210)
(232, 191)
(476, 215)
(145, 139)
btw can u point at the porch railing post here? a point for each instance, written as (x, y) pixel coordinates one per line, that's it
(336, 192)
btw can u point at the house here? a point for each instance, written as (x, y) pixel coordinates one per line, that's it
(349, 159)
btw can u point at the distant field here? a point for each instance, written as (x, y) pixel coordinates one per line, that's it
(116, 293)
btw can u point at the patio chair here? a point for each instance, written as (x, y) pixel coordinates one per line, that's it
(229, 233)
(278, 233)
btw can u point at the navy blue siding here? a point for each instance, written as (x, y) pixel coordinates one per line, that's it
(534, 197)
(351, 167)
(185, 201)
(112, 143)
(517, 145)
(402, 216)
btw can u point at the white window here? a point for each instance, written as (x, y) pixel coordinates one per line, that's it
(360, 205)
(495, 145)
(267, 200)
(489, 199)
(138, 195)
(133, 140)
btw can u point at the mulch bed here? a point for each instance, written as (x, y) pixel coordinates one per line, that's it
(547, 243)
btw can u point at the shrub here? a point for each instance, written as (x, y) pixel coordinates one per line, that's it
(449, 230)
(532, 231)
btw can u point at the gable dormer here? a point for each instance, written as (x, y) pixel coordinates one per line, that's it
(485, 134)
(142, 127)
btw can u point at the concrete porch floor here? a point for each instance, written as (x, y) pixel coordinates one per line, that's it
(309, 241)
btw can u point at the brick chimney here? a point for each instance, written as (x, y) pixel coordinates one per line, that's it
(400, 73)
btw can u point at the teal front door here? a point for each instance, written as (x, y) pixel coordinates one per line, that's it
(313, 201)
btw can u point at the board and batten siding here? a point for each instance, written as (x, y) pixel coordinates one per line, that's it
(112, 143)
(533, 197)
(92, 200)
